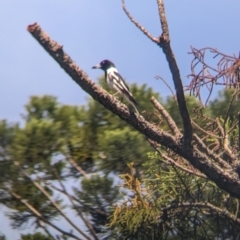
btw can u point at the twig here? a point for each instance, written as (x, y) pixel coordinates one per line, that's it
(226, 141)
(210, 153)
(174, 163)
(138, 25)
(158, 77)
(205, 131)
(172, 125)
(228, 110)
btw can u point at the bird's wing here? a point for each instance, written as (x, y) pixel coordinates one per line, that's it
(118, 81)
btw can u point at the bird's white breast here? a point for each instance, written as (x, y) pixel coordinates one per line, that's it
(110, 72)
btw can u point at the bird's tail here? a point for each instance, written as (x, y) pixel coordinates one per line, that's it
(132, 101)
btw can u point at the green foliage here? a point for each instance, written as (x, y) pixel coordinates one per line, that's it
(153, 210)
(172, 108)
(221, 105)
(35, 236)
(52, 134)
(102, 145)
(121, 146)
(2, 237)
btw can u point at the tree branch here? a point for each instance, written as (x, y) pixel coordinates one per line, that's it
(202, 162)
(210, 153)
(163, 20)
(164, 43)
(172, 125)
(138, 25)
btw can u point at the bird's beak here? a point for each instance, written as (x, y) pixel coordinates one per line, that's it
(96, 66)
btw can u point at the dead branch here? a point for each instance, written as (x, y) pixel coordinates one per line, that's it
(225, 71)
(164, 43)
(165, 82)
(163, 20)
(138, 25)
(210, 153)
(185, 169)
(172, 125)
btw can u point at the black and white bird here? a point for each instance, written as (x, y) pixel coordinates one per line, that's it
(115, 81)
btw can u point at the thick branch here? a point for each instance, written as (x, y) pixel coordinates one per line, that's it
(187, 126)
(199, 160)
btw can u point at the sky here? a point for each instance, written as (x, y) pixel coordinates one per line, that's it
(93, 30)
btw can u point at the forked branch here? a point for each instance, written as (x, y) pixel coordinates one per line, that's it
(164, 43)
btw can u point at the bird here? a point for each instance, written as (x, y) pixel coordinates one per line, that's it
(116, 82)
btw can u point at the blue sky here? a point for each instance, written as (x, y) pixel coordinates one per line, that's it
(93, 30)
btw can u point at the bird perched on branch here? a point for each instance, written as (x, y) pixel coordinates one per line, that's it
(115, 81)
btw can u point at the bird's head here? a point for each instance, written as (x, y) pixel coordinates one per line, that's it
(104, 65)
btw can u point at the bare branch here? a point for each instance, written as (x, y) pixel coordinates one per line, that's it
(226, 141)
(207, 133)
(138, 25)
(172, 125)
(164, 43)
(158, 77)
(210, 153)
(172, 162)
(163, 20)
(225, 72)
